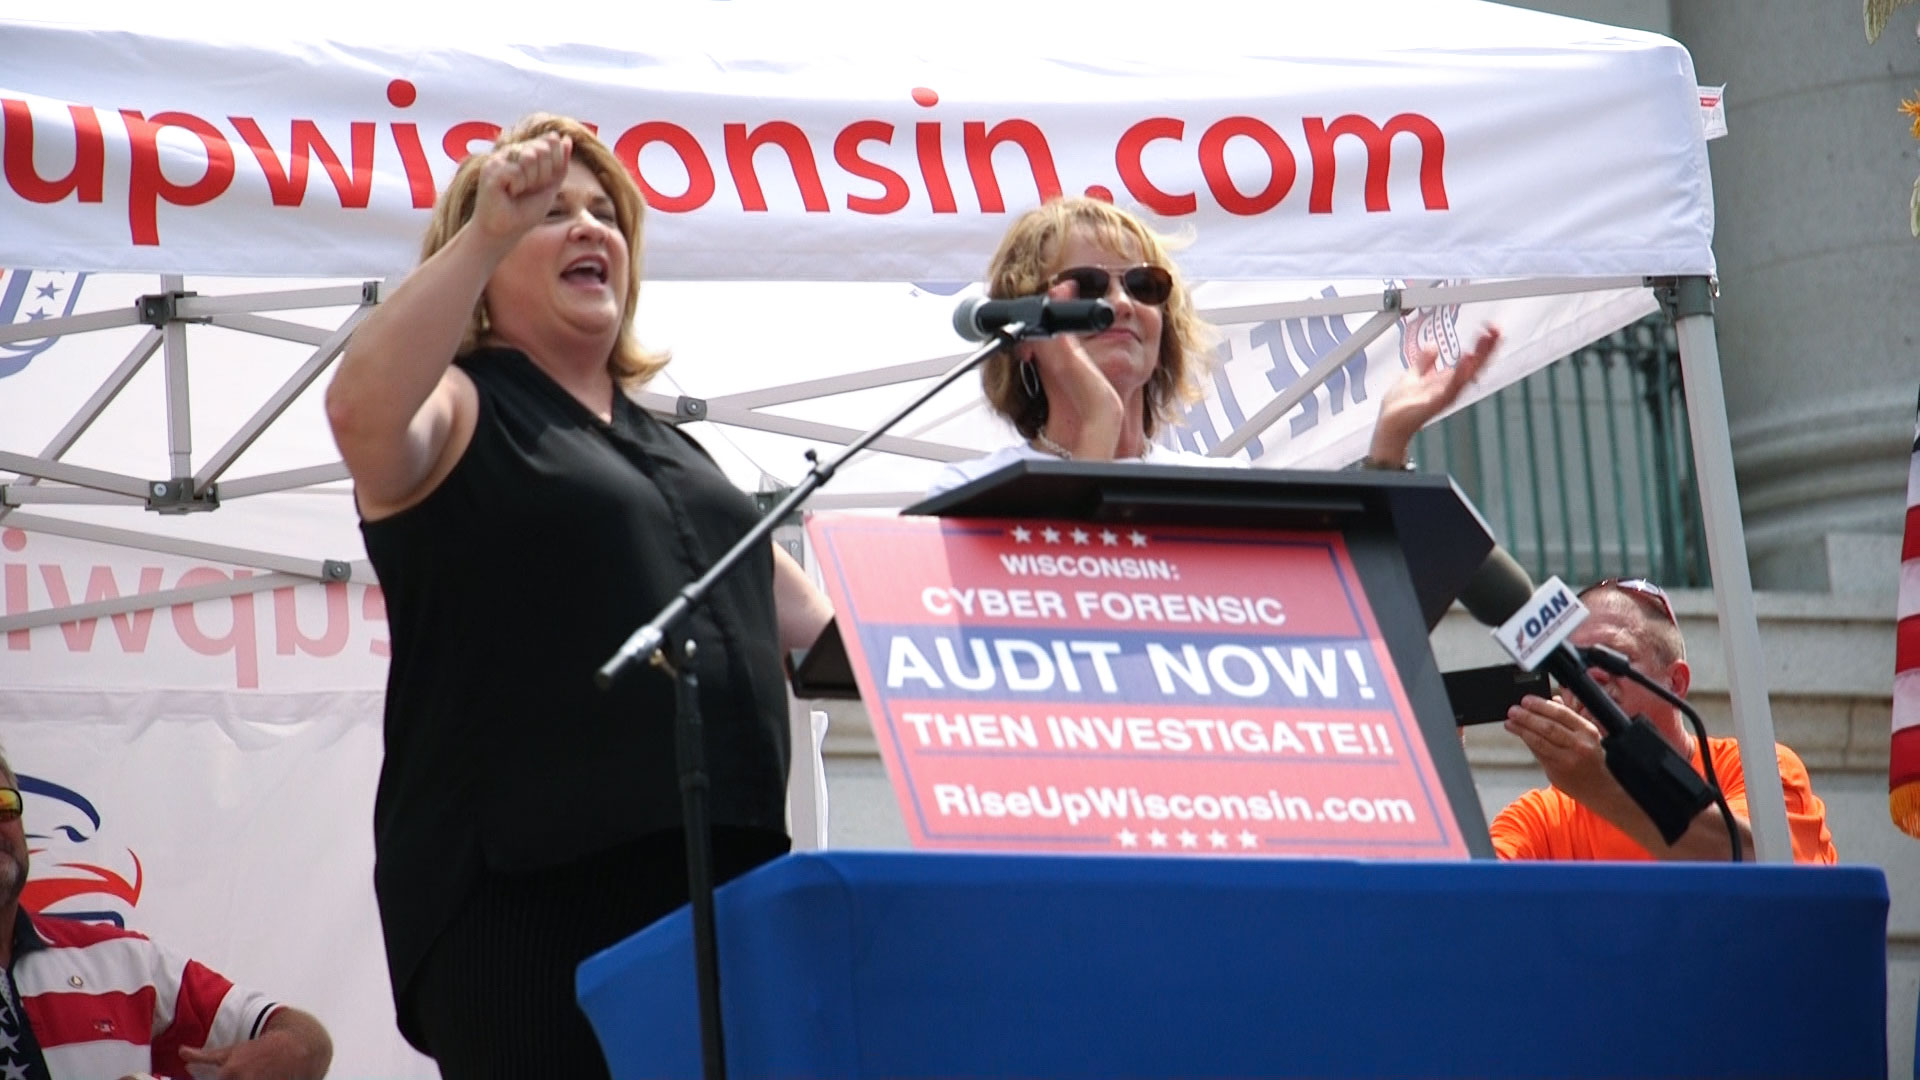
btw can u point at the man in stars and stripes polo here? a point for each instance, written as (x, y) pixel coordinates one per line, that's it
(88, 1001)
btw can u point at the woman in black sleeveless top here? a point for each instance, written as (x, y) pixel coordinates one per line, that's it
(524, 515)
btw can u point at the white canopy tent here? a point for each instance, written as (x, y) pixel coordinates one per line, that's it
(1345, 187)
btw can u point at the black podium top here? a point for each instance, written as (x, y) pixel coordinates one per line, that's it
(1441, 534)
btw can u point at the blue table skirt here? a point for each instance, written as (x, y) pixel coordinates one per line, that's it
(871, 964)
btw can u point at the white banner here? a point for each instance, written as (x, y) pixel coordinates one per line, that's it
(1431, 139)
(285, 640)
(232, 827)
(1333, 425)
(204, 773)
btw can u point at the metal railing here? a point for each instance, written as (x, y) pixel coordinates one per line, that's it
(1585, 468)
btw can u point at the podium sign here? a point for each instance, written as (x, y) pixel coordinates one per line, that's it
(1074, 686)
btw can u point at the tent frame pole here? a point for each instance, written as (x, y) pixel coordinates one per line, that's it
(1688, 302)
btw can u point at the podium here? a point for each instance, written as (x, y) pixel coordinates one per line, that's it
(1413, 538)
(895, 965)
(1112, 965)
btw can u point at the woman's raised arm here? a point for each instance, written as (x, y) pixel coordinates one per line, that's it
(400, 413)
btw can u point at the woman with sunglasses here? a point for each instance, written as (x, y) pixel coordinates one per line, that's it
(1102, 397)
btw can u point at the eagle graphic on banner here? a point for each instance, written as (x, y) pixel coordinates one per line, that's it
(29, 296)
(68, 877)
(1436, 328)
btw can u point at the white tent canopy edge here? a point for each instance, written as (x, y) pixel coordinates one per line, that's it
(1614, 181)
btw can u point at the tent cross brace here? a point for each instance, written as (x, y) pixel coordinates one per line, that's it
(176, 496)
(159, 309)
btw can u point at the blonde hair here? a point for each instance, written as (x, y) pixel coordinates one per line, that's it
(1025, 261)
(630, 363)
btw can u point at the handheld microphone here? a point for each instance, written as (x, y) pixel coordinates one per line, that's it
(1532, 625)
(979, 318)
(1499, 591)
(1616, 664)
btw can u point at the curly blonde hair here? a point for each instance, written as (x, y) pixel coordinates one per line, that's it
(630, 363)
(1026, 259)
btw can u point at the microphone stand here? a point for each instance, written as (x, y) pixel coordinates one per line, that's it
(647, 642)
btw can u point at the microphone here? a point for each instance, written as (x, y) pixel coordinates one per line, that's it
(979, 318)
(1532, 625)
(1499, 590)
(1616, 664)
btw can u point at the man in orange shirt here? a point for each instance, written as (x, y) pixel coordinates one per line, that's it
(1586, 814)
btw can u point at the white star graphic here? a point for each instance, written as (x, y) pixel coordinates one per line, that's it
(1138, 538)
(7, 1040)
(1050, 534)
(1217, 838)
(1248, 840)
(1156, 838)
(16, 1071)
(1079, 536)
(1128, 838)
(1188, 839)
(1109, 538)
(1021, 535)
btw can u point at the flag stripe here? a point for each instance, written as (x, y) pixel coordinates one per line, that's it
(1906, 700)
(1906, 757)
(1906, 651)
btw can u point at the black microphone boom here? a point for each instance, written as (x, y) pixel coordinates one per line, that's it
(1658, 779)
(979, 318)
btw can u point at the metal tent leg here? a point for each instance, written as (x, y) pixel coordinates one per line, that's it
(1689, 302)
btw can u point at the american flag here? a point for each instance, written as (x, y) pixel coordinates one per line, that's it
(1903, 764)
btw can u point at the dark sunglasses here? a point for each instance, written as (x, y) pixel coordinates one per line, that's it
(1146, 284)
(1641, 590)
(10, 803)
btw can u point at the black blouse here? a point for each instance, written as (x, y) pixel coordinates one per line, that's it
(555, 536)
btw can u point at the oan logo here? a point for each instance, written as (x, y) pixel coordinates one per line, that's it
(72, 873)
(30, 296)
(1541, 624)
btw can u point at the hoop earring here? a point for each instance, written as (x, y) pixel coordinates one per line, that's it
(1030, 380)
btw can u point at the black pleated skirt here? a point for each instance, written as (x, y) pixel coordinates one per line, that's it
(495, 996)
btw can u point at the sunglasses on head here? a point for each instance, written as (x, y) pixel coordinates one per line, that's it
(10, 803)
(1145, 283)
(1641, 590)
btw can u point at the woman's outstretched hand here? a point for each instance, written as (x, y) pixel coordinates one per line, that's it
(1425, 391)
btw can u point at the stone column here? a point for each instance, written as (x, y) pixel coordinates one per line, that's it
(1819, 315)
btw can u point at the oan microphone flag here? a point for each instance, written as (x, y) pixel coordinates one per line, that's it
(1903, 763)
